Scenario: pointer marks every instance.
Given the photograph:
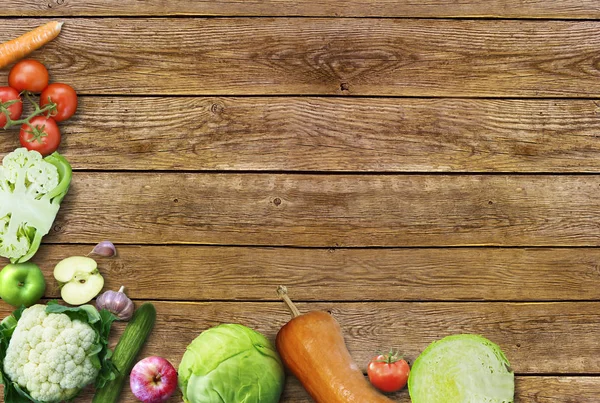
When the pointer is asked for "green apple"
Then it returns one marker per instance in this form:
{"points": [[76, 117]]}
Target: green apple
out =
{"points": [[79, 278], [22, 284]]}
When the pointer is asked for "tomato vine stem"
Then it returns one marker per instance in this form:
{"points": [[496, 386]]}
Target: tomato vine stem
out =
{"points": [[47, 109]]}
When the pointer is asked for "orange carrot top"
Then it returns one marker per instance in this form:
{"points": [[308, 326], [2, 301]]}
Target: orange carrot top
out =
{"points": [[20, 47]]}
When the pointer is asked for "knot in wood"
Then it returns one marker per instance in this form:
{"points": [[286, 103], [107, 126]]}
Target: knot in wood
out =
{"points": [[216, 108]]}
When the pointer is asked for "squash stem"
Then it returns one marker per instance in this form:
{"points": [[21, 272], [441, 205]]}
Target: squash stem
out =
{"points": [[282, 292]]}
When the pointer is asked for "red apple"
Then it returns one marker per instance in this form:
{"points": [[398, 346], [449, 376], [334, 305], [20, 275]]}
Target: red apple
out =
{"points": [[153, 380]]}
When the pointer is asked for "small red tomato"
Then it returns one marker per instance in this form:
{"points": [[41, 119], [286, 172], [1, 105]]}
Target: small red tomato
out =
{"points": [[8, 94], [64, 97], [28, 75], [42, 135], [388, 373]]}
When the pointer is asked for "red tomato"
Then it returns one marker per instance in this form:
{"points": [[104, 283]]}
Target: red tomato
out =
{"points": [[8, 94], [43, 136], [64, 97], [28, 75], [388, 373]]}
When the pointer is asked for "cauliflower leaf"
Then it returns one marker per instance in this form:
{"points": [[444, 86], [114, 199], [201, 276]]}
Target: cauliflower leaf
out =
{"points": [[31, 190]]}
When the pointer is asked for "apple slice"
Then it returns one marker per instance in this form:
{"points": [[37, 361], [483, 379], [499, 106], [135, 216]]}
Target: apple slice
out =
{"points": [[79, 278]]}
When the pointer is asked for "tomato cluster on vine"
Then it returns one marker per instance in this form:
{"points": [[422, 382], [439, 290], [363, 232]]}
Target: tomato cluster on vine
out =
{"points": [[58, 102]]}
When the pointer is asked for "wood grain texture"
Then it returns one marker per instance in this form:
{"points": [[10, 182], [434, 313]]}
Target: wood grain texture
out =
{"points": [[524, 331], [330, 8], [303, 56], [529, 389], [537, 338], [238, 273], [330, 210], [557, 389], [162, 216], [332, 134]]}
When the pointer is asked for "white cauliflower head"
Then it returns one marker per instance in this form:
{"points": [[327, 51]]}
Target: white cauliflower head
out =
{"points": [[50, 355]]}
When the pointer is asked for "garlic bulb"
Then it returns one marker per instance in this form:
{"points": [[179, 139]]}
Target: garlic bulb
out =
{"points": [[116, 302]]}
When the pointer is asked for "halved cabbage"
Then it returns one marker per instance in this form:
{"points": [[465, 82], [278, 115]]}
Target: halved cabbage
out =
{"points": [[462, 368]]}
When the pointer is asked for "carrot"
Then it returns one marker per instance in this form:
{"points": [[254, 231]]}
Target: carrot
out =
{"points": [[18, 48]]}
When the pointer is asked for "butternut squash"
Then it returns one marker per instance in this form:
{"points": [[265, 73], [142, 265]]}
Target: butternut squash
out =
{"points": [[312, 347]]}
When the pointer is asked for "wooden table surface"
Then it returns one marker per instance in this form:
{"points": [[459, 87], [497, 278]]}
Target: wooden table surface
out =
{"points": [[418, 169]]}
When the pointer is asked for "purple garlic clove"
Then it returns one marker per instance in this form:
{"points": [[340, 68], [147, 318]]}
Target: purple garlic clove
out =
{"points": [[104, 248], [117, 303]]}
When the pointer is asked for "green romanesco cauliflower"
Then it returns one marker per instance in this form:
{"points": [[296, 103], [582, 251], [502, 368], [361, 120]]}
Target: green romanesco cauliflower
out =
{"points": [[31, 189], [50, 352]]}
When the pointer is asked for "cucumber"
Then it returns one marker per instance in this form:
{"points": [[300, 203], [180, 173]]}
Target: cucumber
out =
{"points": [[137, 331]]}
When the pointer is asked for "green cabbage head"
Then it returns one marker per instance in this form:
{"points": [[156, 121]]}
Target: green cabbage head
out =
{"points": [[231, 363], [462, 368]]}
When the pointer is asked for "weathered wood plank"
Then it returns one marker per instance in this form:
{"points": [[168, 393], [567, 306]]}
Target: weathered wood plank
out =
{"points": [[239, 273], [331, 8], [537, 338], [524, 331], [557, 389], [529, 389], [323, 56], [332, 134], [331, 210]]}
